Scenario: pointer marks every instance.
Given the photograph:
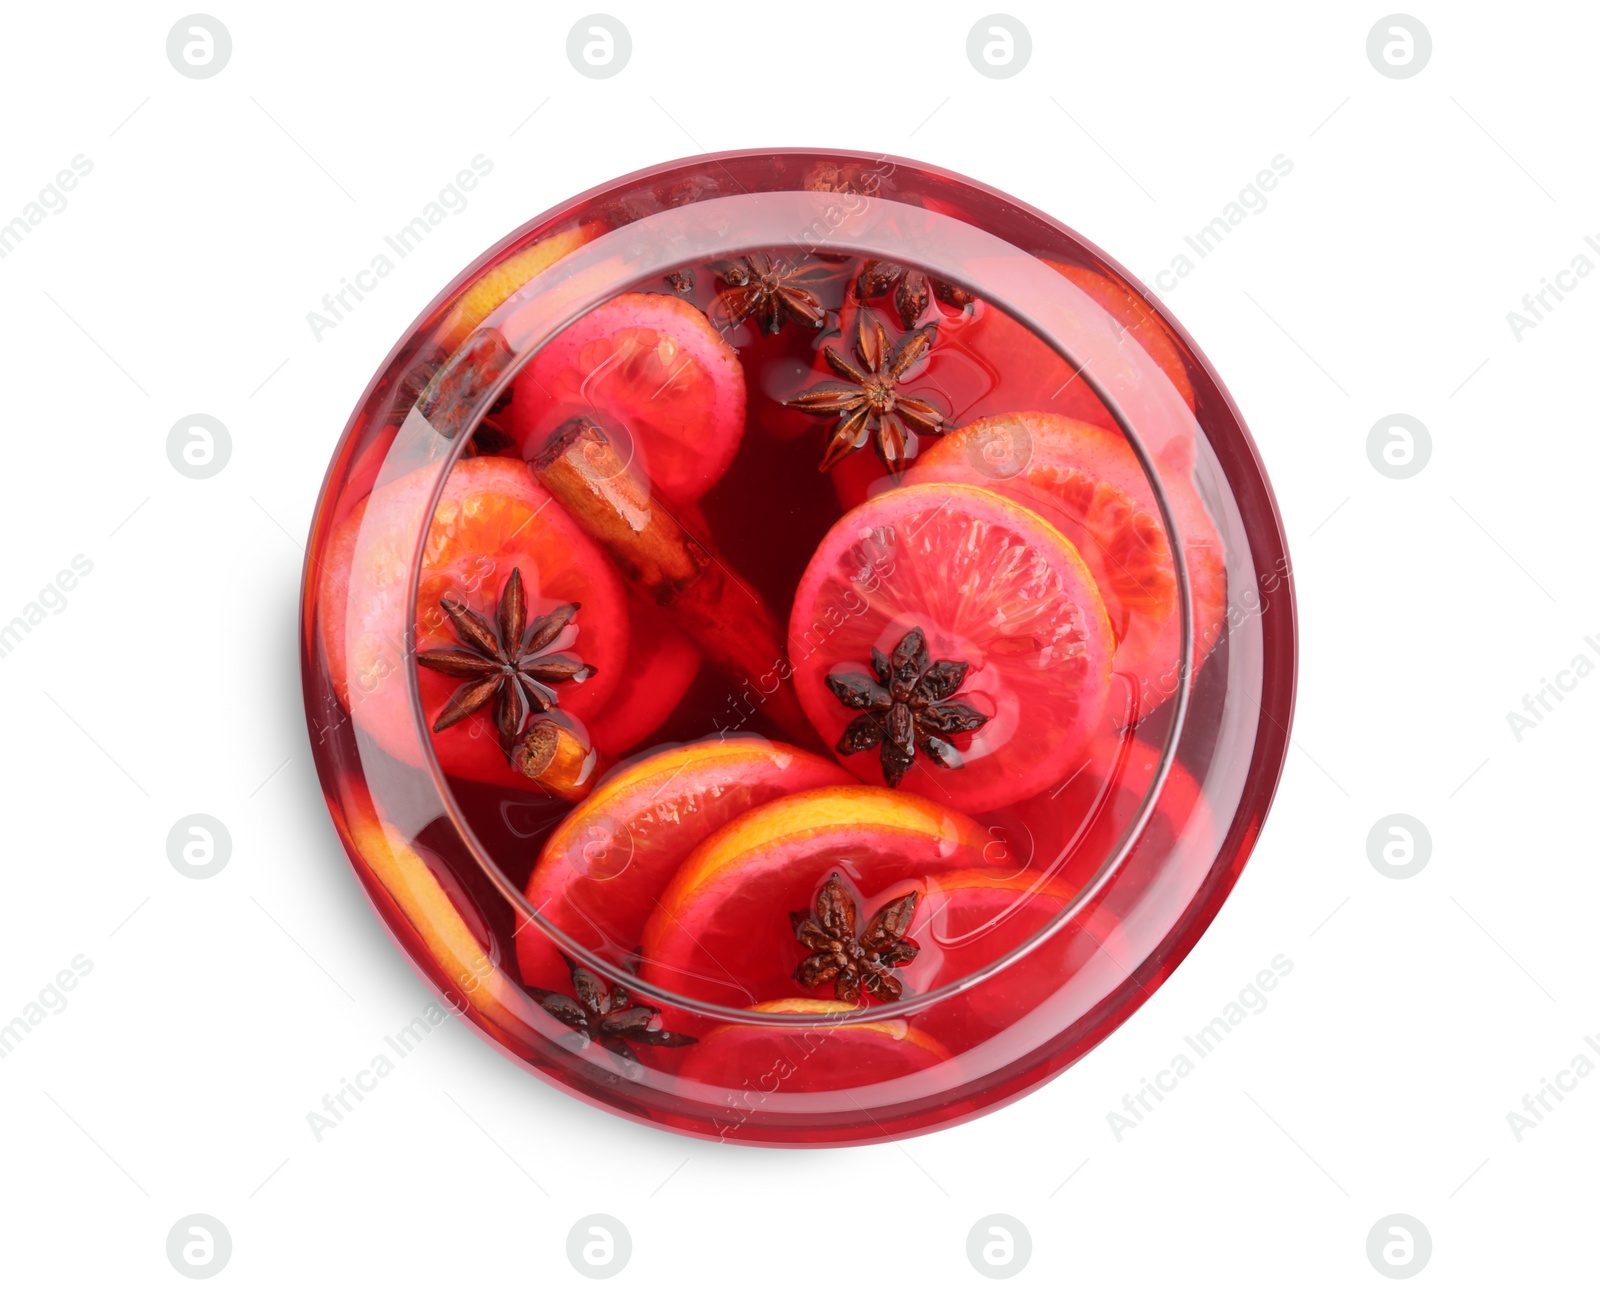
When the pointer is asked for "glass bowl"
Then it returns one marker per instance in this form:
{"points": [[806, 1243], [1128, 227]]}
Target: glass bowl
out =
{"points": [[779, 805]]}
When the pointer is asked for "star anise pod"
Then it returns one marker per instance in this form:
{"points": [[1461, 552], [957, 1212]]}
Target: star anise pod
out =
{"points": [[854, 964], [908, 708], [608, 1016], [910, 288], [772, 289], [871, 405], [510, 662]]}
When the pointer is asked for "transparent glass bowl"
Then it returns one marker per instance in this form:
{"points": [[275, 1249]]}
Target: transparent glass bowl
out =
{"points": [[1081, 519]]}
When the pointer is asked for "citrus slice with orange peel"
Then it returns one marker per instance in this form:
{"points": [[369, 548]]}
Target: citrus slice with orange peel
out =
{"points": [[837, 1054], [489, 290], [425, 918], [721, 931], [493, 518], [649, 369], [601, 871], [1088, 483], [1008, 613]]}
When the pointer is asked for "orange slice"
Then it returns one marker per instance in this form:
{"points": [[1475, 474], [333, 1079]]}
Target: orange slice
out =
{"points": [[425, 919], [649, 368], [721, 931], [1088, 483], [489, 290], [601, 871], [492, 518], [968, 921], [989, 583]]}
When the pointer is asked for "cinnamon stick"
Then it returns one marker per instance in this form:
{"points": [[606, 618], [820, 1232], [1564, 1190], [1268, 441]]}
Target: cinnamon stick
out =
{"points": [[560, 761], [667, 565]]}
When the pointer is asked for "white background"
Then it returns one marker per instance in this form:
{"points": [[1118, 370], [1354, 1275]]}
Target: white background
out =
{"points": [[218, 1012]]}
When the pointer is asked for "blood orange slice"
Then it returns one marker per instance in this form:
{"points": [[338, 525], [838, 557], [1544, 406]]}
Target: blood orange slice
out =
{"points": [[492, 518], [1088, 483], [602, 870], [991, 585], [836, 1055], [648, 367]]}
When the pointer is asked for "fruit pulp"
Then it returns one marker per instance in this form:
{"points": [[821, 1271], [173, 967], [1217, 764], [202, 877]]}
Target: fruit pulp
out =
{"points": [[710, 819]]}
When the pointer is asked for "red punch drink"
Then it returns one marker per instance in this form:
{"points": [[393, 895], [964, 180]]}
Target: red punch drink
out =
{"points": [[797, 646]]}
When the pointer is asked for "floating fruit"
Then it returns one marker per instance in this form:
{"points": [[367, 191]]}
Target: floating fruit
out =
{"points": [[492, 519], [968, 921], [486, 293], [601, 872], [1088, 483], [409, 892], [647, 367], [722, 930], [985, 363], [1006, 611]]}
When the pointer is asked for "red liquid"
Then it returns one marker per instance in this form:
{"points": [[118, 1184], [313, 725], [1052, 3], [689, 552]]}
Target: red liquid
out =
{"points": [[1029, 549]]}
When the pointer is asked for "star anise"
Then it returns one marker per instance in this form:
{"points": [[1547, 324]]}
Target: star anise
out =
{"points": [[608, 1016], [772, 289], [872, 406], [510, 663], [910, 287], [908, 708], [854, 964]]}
